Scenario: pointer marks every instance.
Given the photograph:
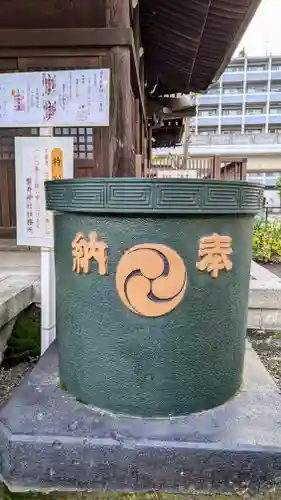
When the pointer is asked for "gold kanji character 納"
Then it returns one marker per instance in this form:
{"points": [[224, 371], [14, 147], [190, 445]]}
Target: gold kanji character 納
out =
{"points": [[214, 252], [86, 250]]}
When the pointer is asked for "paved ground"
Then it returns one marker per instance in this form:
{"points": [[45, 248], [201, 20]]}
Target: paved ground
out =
{"points": [[273, 268], [19, 263]]}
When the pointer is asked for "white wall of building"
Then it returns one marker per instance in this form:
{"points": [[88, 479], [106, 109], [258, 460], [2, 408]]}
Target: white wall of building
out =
{"points": [[272, 198]]}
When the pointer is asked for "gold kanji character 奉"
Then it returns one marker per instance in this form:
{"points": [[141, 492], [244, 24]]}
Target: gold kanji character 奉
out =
{"points": [[86, 250], [214, 252]]}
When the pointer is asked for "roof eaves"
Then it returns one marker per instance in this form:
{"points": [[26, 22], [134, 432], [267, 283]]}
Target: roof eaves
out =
{"points": [[254, 4]]}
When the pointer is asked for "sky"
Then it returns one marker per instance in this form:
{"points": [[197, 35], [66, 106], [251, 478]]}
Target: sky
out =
{"points": [[263, 35]]}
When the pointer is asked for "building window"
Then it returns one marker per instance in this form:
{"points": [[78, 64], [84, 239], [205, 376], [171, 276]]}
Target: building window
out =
{"points": [[276, 87], [257, 67], [232, 90], [207, 112], [255, 111], [207, 131], [231, 131], [213, 90], [276, 67], [271, 178], [275, 130], [256, 89], [265, 178], [234, 69], [275, 111], [256, 177], [253, 130], [231, 111]]}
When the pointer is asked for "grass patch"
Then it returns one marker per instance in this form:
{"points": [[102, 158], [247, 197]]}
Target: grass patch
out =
{"points": [[154, 495], [62, 386]]}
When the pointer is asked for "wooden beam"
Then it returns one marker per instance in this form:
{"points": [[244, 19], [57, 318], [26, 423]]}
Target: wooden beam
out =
{"points": [[70, 37], [117, 13], [47, 52], [8, 233]]}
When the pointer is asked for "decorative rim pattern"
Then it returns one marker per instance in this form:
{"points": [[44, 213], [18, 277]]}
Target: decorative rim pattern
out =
{"points": [[154, 196]]}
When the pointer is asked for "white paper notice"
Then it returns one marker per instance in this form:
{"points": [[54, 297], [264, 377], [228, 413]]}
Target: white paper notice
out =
{"points": [[55, 98], [37, 158]]}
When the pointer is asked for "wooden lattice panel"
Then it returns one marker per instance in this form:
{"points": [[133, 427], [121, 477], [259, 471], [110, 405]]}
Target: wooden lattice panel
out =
{"points": [[83, 140]]}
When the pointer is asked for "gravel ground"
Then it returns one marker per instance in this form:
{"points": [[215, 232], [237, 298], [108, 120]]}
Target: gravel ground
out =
{"points": [[11, 378], [268, 347]]}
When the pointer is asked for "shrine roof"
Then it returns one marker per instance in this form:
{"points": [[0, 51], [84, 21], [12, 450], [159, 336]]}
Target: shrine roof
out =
{"points": [[188, 43]]}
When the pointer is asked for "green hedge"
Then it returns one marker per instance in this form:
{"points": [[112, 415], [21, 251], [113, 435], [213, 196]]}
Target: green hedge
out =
{"points": [[267, 242]]}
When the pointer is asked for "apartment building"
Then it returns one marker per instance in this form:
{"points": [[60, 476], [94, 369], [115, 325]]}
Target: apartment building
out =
{"points": [[247, 99]]}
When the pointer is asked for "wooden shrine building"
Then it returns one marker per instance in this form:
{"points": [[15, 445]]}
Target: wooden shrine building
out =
{"points": [[154, 48]]}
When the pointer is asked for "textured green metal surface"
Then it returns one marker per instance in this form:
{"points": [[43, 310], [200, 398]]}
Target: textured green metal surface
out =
{"points": [[186, 361], [153, 196]]}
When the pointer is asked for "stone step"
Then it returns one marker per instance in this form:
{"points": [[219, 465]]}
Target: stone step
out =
{"points": [[11, 246], [264, 309]]}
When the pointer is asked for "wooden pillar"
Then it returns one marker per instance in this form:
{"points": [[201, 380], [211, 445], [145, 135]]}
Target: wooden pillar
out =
{"points": [[243, 176], [121, 161], [216, 167], [149, 148]]}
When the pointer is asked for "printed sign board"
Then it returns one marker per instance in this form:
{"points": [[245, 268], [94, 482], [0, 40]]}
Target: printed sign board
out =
{"points": [[173, 173], [37, 160], [55, 98]]}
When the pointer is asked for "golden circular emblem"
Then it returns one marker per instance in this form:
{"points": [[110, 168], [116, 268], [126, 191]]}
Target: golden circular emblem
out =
{"points": [[151, 279]]}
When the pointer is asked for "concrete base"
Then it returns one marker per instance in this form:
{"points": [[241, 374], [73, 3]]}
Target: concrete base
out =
{"points": [[49, 441]]}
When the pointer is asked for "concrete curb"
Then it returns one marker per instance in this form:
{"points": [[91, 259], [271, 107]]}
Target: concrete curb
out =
{"points": [[264, 310]]}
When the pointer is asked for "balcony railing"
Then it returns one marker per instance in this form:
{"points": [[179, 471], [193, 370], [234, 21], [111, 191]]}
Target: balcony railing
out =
{"points": [[235, 139]]}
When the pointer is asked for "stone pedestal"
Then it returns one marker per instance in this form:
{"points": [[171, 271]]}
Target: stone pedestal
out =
{"points": [[152, 281], [50, 441]]}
